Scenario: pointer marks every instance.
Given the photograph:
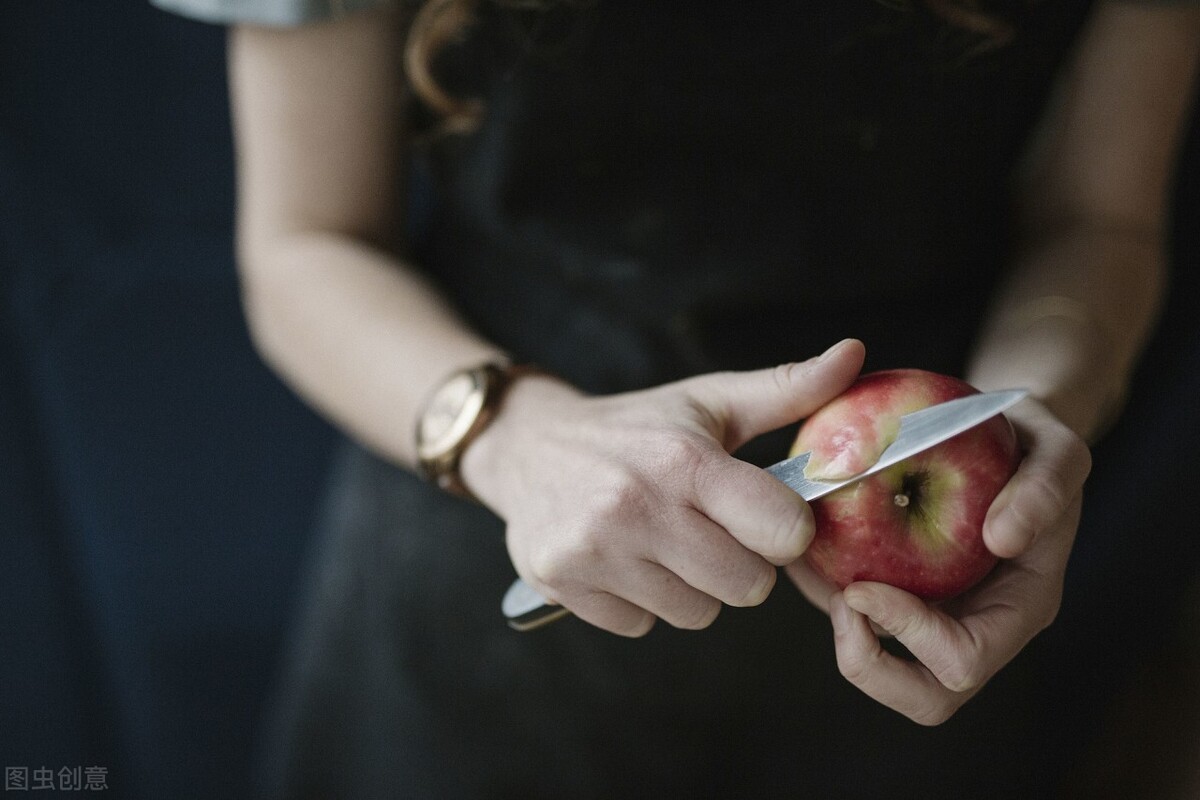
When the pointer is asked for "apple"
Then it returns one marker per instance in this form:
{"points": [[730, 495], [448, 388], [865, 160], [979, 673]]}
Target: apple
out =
{"points": [[917, 525]]}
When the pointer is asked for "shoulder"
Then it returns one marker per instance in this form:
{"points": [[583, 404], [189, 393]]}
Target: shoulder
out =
{"points": [[1157, 3], [267, 12]]}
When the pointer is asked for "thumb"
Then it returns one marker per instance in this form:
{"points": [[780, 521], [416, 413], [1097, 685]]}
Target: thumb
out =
{"points": [[747, 404]]}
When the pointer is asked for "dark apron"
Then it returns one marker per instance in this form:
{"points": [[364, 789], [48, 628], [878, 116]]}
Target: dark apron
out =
{"points": [[662, 189]]}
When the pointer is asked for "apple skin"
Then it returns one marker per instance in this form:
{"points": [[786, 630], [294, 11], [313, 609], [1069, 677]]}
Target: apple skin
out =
{"points": [[917, 525]]}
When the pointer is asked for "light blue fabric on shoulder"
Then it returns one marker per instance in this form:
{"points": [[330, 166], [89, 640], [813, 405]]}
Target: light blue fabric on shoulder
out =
{"points": [[266, 12], [296, 12]]}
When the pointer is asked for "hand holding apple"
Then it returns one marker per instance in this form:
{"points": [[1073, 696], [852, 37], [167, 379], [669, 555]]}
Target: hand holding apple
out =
{"points": [[961, 643]]}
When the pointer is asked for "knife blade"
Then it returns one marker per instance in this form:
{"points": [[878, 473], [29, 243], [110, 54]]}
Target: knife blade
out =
{"points": [[525, 609]]}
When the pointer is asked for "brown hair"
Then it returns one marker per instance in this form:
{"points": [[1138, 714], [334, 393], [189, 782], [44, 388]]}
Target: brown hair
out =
{"points": [[438, 23]]}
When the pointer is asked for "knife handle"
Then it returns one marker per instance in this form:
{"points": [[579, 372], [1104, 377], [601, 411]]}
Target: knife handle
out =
{"points": [[526, 610]]}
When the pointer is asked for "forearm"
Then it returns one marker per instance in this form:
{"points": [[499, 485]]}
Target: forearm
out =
{"points": [[318, 114], [360, 335], [1093, 199], [1072, 321]]}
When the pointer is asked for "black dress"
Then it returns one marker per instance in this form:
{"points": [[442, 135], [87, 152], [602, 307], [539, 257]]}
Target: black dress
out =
{"points": [[662, 189]]}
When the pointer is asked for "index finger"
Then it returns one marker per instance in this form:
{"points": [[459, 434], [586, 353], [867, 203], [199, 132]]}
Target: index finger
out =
{"points": [[902, 685], [763, 514], [962, 655]]}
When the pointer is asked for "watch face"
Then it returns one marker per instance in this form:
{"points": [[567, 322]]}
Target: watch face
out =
{"points": [[449, 415]]}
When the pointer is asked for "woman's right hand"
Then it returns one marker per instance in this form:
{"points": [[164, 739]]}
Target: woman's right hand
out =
{"points": [[628, 508]]}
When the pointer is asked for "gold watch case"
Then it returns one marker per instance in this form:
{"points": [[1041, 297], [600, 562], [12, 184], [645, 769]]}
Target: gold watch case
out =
{"points": [[457, 412]]}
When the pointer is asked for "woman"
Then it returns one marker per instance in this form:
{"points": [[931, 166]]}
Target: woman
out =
{"points": [[647, 200]]}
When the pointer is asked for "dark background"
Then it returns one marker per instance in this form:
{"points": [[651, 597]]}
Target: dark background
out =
{"points": [[156, 481]]}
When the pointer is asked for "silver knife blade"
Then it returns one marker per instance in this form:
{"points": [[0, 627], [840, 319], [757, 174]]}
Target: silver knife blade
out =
{"points": [[918, 432], [525, 609]]}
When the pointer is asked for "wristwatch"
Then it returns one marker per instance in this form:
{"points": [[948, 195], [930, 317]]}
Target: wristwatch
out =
{"points": [[457, 411]]}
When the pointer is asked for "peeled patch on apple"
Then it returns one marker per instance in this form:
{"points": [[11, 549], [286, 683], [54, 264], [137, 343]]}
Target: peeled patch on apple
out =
{"points": [[919, 524]]}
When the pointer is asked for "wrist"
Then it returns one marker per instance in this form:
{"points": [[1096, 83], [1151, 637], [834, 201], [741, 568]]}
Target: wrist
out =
{"points": [[1051, 347], [490, 465], [1073, 317], [458, 411]]}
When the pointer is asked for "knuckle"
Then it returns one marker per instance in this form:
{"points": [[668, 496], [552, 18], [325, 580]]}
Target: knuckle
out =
{"points": [[784, 377], [1040, 502], [682, 453], [709, 419], [1082, 454], [757, 589], [551, 566], [1047, 493], [853, 669], [616, 498], [902, 626], [700, 616], [1051, 612], [1020, 518], [933, 714], [962, 675], [565, 561], [1074, 450], [638, 627], [856, 666]]}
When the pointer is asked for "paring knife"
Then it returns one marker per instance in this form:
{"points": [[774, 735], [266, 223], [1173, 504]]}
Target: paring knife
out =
{"points": [[525, 609]]}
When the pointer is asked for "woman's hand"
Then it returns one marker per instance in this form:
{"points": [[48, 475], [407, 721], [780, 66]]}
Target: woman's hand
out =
{"points": [[960, 644], [1077, 308], [629, 508]]}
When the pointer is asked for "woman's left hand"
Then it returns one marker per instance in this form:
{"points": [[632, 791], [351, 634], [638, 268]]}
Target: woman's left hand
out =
{"points": [[961, 643]]}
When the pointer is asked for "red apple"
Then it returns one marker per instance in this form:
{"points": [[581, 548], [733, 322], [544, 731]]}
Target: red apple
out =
{"points": [[916, 525]]}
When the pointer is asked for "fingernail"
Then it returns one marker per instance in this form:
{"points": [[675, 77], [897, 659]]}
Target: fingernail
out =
{"points": [[832, 350], [1006, 530], [839, 612], [1017, 531], [762, 590], [807, 530], [858, 601]]}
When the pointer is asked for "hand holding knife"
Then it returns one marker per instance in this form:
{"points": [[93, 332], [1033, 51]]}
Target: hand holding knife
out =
{"points": [[525, 609]]}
